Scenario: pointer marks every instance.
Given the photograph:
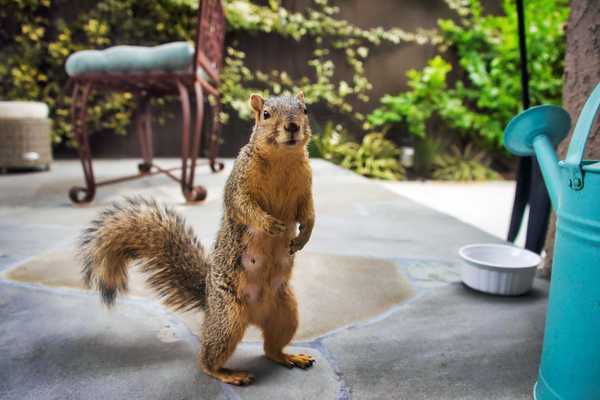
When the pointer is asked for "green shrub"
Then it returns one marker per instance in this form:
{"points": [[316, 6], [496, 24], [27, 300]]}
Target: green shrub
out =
{"points": [[374, 157], [35, 40], [325, 144], [466, 165], [427, 150], [487, 91]]}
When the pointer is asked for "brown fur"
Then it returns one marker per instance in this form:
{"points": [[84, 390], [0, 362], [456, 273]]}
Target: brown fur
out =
{"points": [[245, 278], [141, 230]]}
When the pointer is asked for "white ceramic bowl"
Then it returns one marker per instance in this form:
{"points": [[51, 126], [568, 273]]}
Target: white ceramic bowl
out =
{"points": [[498, 268]]}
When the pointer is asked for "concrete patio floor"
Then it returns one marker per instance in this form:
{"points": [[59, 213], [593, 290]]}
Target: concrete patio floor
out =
{"points": [[485, 205], [382, 309]]}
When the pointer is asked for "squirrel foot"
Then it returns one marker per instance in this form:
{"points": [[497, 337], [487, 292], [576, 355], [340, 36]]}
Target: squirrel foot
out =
{"points": [[303, 361], [238, 378]]}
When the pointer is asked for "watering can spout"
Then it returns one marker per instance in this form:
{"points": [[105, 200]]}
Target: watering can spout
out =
{"points": [[537, 131]]}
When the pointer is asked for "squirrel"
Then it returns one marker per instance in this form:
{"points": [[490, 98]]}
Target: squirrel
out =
{"points": [[268, 217]]}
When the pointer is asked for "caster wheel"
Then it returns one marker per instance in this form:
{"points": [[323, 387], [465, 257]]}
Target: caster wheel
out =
{"points": [[144, 168], [81, 195], [217, 166], [195, 195]]}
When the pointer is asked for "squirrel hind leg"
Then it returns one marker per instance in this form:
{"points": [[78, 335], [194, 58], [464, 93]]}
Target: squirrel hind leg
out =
{"points": [[278, 331], [222, 331]]}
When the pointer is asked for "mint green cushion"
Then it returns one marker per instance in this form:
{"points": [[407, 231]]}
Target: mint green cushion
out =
{"points": [[169, 57]]}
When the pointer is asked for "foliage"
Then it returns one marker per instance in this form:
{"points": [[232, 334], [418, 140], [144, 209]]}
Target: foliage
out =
{"points": [[466, 165], [486, 93], [428, 93], [36, 37], [374, 157], [329, 35], [325, 145], [426, 151]]}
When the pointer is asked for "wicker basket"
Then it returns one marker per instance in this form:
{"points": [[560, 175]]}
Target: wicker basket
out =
{"points": [[25, 143]]}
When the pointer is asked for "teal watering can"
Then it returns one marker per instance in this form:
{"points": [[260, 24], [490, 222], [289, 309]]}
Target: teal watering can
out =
{"points": [[570, 365]]}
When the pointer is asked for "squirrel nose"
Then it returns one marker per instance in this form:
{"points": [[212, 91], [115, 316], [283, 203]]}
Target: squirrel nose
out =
{"points": [[292, 127]]}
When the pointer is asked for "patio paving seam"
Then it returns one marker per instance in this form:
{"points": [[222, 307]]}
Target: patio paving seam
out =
{"points": [[18, 263], [146, 304], [228, 392], [153, 306], [156, 305], [398, 349], [343, 391]]}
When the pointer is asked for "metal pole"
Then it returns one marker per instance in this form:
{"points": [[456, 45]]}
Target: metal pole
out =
{"points": [[524, 168], [530, 185], [523, 55]]}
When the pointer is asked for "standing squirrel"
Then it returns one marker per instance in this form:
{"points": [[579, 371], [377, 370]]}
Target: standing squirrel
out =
{"points": [[268, 216]]}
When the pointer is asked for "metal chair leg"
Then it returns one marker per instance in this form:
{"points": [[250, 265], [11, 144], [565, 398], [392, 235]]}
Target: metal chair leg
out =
{"points": [[144, 131], [79, 194], [197, 131], [214, 139], [191, 193]]}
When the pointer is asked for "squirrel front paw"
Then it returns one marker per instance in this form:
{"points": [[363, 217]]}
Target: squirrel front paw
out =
{"points": [[273, 226], [297, 244]]}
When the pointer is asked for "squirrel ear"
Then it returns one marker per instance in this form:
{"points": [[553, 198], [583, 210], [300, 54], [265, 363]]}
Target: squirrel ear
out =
{"points": [[300, 96], [256, 102]]}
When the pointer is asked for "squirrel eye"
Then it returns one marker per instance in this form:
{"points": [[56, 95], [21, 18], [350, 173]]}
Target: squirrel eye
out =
{"points": [[266, 115]]}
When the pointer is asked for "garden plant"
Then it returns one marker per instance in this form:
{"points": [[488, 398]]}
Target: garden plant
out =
{"points": [[467, 93], [460, 100], [38, 36]]}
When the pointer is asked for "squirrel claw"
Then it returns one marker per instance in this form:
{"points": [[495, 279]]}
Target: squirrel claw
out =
{"points": [[238, 378], [302, 361]]}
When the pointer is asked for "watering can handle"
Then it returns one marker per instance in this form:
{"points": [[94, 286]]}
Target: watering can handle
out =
{"points": [[583, 130]]}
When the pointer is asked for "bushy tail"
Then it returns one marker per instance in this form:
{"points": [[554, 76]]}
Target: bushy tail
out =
{"points": [[171, 256]]}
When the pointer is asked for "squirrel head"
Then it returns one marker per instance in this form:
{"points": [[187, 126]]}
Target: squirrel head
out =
{"points": [[281, 123]]}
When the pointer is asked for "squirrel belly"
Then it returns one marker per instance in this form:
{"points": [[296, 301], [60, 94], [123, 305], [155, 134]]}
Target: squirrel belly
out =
{"points": [[267, 267]]}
